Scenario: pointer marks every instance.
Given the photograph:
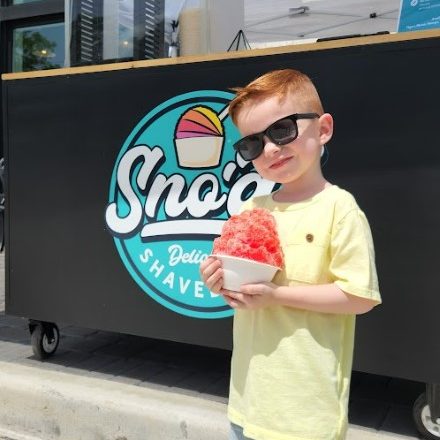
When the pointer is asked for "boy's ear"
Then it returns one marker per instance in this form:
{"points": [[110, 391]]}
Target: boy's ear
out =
{"points": [[325, 128]]}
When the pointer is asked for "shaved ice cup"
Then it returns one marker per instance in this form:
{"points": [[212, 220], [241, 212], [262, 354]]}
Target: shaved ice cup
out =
{"points": [[238, 271], [199, 137], [199, 152]]}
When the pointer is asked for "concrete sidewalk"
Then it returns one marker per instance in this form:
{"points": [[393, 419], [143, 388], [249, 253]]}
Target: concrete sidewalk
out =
{"points": [[110, 386]]}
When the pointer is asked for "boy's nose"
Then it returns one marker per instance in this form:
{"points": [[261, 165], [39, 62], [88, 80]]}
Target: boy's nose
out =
{"points": [[269, 146]]}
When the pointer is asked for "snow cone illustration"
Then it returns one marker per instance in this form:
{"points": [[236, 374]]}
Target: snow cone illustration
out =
{"points": [[199, 137]]}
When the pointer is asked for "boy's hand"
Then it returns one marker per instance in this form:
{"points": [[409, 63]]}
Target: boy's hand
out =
{"points": [[212, 274], [251, 296]]}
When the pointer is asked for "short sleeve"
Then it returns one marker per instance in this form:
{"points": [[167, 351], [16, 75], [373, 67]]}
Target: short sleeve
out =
{"points": [[352, 263]]}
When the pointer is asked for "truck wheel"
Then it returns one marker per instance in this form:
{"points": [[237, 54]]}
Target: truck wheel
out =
{"points": [[44, 339], [430, 429]]}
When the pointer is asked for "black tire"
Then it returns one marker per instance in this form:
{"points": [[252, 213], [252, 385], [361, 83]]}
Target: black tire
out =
{"points": [[422, 418], [45, 339]]}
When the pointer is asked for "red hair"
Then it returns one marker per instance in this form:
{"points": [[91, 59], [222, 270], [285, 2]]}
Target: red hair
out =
{"points": [[281, 83]]}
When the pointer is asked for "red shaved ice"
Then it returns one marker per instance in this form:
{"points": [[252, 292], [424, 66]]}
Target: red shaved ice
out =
{"points": [[253, 235]]}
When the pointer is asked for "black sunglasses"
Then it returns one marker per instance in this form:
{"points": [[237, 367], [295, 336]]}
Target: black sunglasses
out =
{"points": [[281, 132]]}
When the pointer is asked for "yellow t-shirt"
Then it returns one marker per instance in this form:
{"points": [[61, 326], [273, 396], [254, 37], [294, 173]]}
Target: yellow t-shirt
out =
{"points": [[291, 368]]}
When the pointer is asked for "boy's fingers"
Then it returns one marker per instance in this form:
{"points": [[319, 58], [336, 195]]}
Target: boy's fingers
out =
{"points": [[215, 281], [217, 286], [233, 302], [205, 263], [208, 269], [235, 296], [238, 296]]}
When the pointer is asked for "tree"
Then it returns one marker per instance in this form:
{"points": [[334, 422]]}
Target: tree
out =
{"points": [[36, 50]]}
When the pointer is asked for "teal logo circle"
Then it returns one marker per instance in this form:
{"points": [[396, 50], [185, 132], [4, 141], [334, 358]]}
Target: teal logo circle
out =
{"points": [[175, 182]]}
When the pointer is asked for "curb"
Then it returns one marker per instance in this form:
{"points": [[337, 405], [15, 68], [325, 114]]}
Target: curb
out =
{"points": [[6, 434], [37, 404]]}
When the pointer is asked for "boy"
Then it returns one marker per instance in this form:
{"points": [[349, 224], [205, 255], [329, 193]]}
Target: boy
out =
{"points": [[293, 338]]}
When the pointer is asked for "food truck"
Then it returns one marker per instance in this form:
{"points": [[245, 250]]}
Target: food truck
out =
{"points": [[111, 205]]}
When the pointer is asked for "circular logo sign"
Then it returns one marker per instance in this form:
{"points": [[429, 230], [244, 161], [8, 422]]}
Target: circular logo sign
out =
{"points": [[175, 182]]}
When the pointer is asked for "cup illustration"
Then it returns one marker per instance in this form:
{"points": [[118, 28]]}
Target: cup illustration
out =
{"points": [[199, 137]]}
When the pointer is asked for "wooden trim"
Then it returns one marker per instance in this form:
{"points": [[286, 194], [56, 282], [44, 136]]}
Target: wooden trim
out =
{"points": [[333, 44]]}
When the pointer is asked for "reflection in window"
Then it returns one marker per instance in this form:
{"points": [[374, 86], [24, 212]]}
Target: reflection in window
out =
{"points": [[110, 30], [38, 47], [118, 29], [19, 2]]}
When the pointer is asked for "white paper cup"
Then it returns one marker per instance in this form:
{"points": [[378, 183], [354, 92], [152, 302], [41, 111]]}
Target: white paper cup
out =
{"points": [[238, 271]]}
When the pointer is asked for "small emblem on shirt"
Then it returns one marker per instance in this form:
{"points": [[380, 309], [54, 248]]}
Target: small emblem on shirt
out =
{"points": [[309, 237]]}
